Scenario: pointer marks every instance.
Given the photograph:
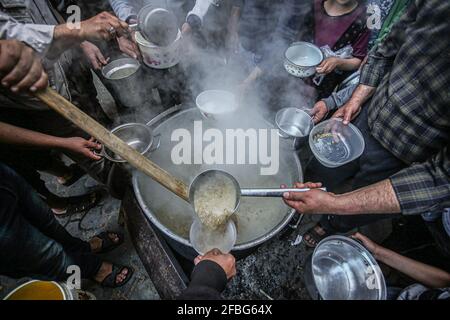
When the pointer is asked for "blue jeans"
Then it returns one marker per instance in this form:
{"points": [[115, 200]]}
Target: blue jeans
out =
{"points": [[375, 164], [32, 242]]}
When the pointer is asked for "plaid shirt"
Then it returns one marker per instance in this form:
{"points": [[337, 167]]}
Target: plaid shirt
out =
{"points": [[410, 111]]}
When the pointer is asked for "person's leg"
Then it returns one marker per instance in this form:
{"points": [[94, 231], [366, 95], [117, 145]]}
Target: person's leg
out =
{"points": [[38, 214], [26, 250]]}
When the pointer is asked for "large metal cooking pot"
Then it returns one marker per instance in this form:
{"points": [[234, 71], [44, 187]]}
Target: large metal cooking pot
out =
{"points": [[343, 269], [258, 219]]}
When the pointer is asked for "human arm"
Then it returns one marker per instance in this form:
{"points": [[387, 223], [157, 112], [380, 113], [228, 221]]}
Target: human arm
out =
{"points": [[378, 198], [210, 276], [103, 27], [13, 135], [93, 55], [379, 62], [422, 187], [233, 28], [124, 9], [334, 63], [425, 274], [20, 67]]}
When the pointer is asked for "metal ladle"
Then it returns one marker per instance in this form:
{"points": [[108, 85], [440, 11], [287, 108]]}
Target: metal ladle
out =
{"points": [[240, 192], [229, 232]]}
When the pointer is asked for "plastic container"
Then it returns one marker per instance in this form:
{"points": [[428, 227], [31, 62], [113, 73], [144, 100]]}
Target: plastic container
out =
{"points": [[204, 239], [335, 144]]}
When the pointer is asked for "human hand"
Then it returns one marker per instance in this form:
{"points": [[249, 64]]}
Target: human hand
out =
{"points": [[94, 55], [186, 29], [367, 243], [129, 47], [83, 147], [310, 202], [348, 112], [226, 261], [20, 67], [319, 111], [103, 26], [328, 65]]}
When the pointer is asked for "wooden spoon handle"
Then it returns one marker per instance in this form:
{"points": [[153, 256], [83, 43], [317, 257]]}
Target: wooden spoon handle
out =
{"points": [[58, 103]]}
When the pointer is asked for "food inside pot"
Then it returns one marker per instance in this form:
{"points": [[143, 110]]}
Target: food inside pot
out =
{"points": [[215, 200]]}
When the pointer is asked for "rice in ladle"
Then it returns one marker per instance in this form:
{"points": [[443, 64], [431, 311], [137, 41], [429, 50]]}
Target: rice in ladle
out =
{"points": [[215, 201]]}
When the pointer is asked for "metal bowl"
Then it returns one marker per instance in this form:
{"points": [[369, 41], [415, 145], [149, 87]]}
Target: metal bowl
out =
{"points": [[295, 125], [124, 76], [136, 135], [214, 104], [302, 58], [343, 269]]}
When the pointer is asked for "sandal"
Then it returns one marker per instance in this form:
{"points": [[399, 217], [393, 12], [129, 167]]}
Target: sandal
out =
{"points": [[110, 280], [80, 204], [77, 174], [107, 243], [314, 236]]}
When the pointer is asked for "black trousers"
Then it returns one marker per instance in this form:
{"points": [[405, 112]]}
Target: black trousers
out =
{"points": [[32, 242], [375, 164]]}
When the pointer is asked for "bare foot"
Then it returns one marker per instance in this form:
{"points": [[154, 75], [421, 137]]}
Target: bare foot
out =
{"points": [[106, 270], [96, 243], [310, 240]]}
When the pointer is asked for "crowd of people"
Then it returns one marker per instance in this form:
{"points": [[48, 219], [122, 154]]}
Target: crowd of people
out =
{"points": [[400, 103]]}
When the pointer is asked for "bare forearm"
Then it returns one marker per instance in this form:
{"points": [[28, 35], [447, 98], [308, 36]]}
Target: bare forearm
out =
{"points": [[379, 198], [234, 20], [26, 138], [349, 64], [63, 39], [361, 94], [427, 275]]}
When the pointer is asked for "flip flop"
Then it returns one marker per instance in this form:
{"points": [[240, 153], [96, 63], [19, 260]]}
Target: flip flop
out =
{"points": [[77, 173], [107, 243], [314, 236], [110, 280], [80, 204]]}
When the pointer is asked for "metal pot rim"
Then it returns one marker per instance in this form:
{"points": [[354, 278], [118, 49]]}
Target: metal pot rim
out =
{"points": [[240, 247], [286, 134], [244, 246], [126, 62], [126, 125], [364, 253], [139, 37], [294, 44]]}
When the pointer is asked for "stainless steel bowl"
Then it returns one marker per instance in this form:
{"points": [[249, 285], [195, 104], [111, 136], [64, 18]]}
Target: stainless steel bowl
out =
{"points": [[343, 269], [136, 135], [295, 125], [302, 58], [124, 77]]}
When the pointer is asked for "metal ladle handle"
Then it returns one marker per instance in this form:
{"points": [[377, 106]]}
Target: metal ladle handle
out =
{"points": [[274, 193]]}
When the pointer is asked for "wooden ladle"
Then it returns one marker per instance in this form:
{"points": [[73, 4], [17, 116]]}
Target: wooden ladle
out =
{"points": [[65, 108]]}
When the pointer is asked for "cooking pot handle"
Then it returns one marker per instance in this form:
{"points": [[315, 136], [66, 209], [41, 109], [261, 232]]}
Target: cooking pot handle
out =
{"points": [[156, 145], [163, 115]]}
